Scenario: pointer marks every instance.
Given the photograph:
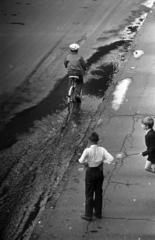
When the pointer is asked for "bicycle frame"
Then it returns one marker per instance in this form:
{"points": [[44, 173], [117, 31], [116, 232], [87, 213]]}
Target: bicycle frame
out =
{"points": [[72, 85], [72, 93]]}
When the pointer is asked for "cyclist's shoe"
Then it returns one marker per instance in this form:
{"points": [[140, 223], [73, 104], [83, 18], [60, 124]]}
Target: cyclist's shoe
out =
{"points": [[78, 99]]}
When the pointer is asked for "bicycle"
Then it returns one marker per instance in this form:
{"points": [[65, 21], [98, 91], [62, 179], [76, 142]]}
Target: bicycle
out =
{"points": [[73, 100]]}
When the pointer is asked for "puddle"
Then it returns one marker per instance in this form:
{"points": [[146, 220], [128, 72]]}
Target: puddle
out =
{"points": [[99, 76], [98, 85]]}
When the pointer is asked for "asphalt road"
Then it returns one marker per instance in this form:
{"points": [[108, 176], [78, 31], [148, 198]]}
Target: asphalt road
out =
{"points": [[128, 190], [35, 38]]}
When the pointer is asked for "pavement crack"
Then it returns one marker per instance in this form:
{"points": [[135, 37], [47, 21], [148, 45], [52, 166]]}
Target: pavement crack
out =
{"points": [[129, 137], [147, 81], [126, 184]]}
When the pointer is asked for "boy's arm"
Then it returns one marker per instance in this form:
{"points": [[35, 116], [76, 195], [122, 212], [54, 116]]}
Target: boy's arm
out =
{"points": [[108, 157], [65, 62], [152, 145], [148, 151], [83, 64], [83, 158]]}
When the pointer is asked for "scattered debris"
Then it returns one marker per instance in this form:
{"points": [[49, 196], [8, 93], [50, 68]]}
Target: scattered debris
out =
{"points": [[130, 31], [148, 3], [100, 121], [138, 53]]}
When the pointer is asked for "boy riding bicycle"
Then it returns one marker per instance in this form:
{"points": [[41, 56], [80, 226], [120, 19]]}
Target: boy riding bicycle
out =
{"points": [[75, 65]]}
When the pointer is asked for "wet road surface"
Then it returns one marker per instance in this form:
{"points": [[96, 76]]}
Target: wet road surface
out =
{"points": [[96, 86], [42, 148], [26, 180]]}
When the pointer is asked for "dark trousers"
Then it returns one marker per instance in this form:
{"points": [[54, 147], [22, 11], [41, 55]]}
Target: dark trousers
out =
{"points": [[93, 191]]}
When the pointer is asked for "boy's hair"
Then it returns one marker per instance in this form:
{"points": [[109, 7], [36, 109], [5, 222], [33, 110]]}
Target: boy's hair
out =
{"points": [[94, 137], [148, 121]]}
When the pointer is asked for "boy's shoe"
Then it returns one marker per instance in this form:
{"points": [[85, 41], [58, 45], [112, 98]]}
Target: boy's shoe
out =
{"points": [[86, 217], [98, 216]]}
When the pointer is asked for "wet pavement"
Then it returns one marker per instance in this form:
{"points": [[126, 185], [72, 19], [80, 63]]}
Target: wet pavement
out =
{"points": [[128, 190], [29, 177], [43, 149], [97, 80]]}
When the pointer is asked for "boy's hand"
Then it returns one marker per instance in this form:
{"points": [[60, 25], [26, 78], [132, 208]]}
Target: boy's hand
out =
{"points": [[105, 161], [86, 165]]}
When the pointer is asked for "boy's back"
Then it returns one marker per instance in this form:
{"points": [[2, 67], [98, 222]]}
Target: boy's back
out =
{"points": [[150, 144]]}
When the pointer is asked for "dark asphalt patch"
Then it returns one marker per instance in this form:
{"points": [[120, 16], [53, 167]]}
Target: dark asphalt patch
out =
{"points": [[56, 101]]}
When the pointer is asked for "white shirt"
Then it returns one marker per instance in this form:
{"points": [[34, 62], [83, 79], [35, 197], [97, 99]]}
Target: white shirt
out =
{"points": [[95, 155], [147, 130]]}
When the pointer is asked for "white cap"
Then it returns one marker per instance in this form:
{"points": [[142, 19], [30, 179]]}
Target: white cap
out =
{"points": [[74, 46]]}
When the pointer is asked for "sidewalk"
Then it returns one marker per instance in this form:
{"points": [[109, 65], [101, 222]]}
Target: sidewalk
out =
{"points": [[129, 191]]}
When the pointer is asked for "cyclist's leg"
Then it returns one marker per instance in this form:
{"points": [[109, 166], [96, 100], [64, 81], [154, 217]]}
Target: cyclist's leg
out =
{"points": [[69, 86], [79, 85], [69, 82]]}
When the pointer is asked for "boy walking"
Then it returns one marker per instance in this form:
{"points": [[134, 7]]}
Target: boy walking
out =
{"points": [[147, 125], [94, 157]]}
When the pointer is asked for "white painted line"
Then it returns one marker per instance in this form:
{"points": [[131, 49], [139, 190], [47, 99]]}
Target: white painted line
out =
{"points": [[120, 92]]}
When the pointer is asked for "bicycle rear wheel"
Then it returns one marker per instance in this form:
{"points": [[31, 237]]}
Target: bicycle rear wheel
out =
{"points": [[70, 107], [71, 100]]}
